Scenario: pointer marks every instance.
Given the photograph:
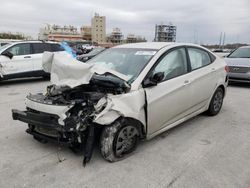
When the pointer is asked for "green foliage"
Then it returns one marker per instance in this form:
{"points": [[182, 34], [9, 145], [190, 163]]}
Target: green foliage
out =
{"points": [[17, 36]]}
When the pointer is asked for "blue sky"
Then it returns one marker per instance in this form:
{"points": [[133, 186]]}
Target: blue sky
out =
{"points": [[196, 20]]}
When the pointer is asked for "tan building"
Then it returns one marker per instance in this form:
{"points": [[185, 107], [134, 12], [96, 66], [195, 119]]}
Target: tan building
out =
{"points": [[59, 33], [98, 29], [116, 37], [64, 37], [86, 32], [131, 38]]}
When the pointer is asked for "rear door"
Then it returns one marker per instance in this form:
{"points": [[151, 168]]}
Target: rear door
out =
{"points": [[21, 61], [203, 76], [38, 49]]}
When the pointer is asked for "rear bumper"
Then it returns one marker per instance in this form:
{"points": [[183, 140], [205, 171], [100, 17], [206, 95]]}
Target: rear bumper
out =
{"points": [[239, 77]]}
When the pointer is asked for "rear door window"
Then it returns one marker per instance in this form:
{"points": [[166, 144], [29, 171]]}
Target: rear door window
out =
{"points": [[38, 48]]}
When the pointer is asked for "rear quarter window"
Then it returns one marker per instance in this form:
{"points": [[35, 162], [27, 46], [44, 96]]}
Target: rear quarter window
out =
{"points": [[56, 48], [198, 58]]}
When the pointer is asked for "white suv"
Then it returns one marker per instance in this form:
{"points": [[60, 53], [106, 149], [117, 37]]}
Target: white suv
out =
{"points": [[24, 59]]}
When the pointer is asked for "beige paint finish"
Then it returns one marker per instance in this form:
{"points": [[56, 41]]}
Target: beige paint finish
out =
{"points": [[167, 100], [168, 104]]}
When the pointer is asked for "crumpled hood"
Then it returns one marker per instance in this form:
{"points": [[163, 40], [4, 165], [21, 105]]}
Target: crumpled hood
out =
{"points": [[238, 62], [67, 71]]}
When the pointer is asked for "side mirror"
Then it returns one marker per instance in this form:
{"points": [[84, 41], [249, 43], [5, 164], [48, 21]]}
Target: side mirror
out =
{"points": [[7, 54], [153, 80]]}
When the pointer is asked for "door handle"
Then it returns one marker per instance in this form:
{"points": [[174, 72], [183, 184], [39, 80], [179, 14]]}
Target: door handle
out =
{"points": [[213, 69], [27, 56], [186, 82]]}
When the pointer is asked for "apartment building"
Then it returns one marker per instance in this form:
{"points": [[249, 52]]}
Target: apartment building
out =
{"points": [[98, 27]]}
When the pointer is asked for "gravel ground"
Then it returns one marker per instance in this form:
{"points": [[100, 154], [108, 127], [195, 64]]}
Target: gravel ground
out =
{"points": [[202, 152]]}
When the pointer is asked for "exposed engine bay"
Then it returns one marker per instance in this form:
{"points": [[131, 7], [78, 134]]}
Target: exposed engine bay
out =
{"points": [[72, 110], [81, 102]]}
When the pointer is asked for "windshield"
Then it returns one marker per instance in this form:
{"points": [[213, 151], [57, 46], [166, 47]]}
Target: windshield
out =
{"points": [[4, 46], [128, 61], [240, 53]]}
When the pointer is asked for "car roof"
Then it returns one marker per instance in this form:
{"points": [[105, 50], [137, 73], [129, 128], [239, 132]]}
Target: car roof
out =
{"points": [[33, 41], [154, 45]]}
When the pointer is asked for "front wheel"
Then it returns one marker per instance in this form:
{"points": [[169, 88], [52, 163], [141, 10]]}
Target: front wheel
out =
{"points": [[118, 140], [216, 102]]}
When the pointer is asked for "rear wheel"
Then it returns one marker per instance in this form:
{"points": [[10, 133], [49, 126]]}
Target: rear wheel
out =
{"points": [[216, 102], [118, 140]]}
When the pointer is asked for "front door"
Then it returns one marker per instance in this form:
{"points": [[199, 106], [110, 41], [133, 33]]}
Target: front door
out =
{"points": [[20, 63], [168, 101]]}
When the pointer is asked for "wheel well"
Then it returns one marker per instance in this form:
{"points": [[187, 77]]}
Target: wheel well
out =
{"points": [[223, 89], [137, 123]]}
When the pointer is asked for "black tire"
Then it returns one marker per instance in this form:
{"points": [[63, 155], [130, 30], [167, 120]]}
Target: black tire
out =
{"points": [[112, 146], [216, 102]]}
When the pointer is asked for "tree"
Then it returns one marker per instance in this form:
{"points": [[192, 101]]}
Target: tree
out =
{"points": [[17, 36]]}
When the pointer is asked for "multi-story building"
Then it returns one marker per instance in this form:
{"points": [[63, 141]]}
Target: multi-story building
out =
{"points": [[116, 37], [131, 38], [86, 32], [98, 29], [165, 33], [59, 33]]}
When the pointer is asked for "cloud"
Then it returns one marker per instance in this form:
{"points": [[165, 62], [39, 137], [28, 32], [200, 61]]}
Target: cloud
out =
{"points": [[196, 20]]}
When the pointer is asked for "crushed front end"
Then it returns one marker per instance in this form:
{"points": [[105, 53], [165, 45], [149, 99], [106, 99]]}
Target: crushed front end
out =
{"points": [[66, 115]]}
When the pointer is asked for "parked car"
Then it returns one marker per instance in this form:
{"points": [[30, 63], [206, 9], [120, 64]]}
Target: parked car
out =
{"points": [[222, 52], [7, 41], [3, 43], [88, 56], [239, 65], [88, 47], [128, 92], [24, 59]]}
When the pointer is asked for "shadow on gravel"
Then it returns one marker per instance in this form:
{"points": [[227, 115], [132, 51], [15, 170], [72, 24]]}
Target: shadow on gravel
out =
{"points": [[21, 81]]}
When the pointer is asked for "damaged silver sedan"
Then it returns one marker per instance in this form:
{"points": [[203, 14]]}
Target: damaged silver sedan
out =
{"points": [[127, 93]]}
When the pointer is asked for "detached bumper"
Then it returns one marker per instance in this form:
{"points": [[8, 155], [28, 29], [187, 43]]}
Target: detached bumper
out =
{"points": [[45, 126], [38, 119]]}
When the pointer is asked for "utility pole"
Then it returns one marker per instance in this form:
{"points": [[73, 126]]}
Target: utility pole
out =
{"points": [[224, 38], [220, 40]]}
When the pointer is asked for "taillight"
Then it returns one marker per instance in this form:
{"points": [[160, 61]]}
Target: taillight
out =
{"points": [[227, 69]]}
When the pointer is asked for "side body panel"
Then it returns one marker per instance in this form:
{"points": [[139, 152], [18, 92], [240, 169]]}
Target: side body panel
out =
{"points": [[18, 64], [166, 101]]}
